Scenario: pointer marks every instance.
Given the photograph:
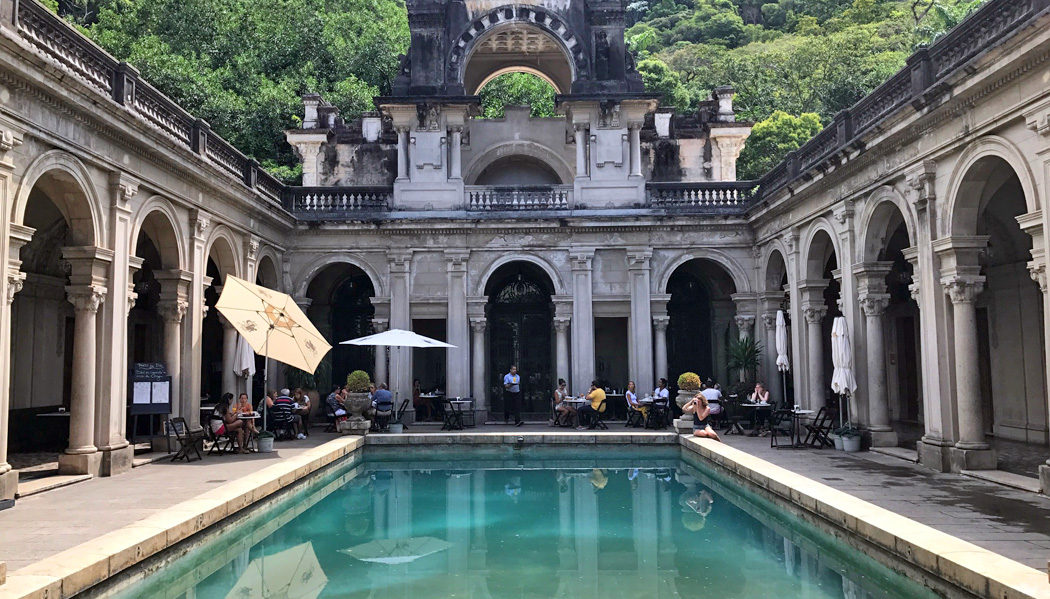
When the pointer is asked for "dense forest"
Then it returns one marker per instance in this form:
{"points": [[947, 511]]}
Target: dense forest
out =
{"points": [[242, 65]]}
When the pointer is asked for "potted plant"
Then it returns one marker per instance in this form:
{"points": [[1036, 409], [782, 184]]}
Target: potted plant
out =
{"points": [[265, 440], [688, 385], [850, 437], [357, 383], [743, 355]]}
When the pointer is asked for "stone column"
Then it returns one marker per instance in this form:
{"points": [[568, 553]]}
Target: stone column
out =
{"points": [[963, 292], [402, 153], [814, 315], [581, 151], [229, 356], [640, 360], [561, 346], [871, 283], [660, 328], [582, 319], [194, 325], [769, 350], [401, 318], [635, 133], [1032, 224], [458, 328], [481, 404], [81, 457], [18, 236], [456, 153], [379, 373], [172, 312]]}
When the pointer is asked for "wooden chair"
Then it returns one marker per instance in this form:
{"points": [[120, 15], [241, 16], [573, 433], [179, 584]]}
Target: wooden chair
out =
{"points": [[599, 418], [189, 441], [780, 424], [818, 430], [635, 418]]}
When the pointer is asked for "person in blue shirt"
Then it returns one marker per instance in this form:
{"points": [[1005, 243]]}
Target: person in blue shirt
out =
{"points": [[383, 399], [512, 396]]}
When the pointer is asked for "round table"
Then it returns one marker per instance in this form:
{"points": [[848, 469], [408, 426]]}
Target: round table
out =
{"points": [[249, 435]]}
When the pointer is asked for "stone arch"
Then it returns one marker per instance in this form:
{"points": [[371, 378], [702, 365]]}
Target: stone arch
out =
{"points": [[157, 219], [84, 214], [534, 259], [303, 283], [731, 266], [222, 248], [963, 207], [875, 220], [267, 269], [819, 243], [514, 148], [503, 18], [773, 268]]}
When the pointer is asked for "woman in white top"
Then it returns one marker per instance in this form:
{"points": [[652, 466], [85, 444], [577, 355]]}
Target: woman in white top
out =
{"points": [[633, 403], [564, 411], [761, 394]]}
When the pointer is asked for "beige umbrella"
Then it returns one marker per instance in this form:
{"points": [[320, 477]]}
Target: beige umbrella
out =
{"points": [[272, 323], [293, 573]]}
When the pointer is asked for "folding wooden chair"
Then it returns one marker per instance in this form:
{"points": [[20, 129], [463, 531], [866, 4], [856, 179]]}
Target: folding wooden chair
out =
{"points": [[635, 418], [452, 419], [780, 424], [189, 441], [818, 430], [599, 418]]}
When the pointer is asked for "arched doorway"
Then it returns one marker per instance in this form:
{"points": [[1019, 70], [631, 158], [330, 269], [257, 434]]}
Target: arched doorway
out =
{"points": [[53, 328], [518, 171], [341, 308], [700, 312], [821, 293], [218, 338], [520, 320], [1010, 385], [777, 298]]}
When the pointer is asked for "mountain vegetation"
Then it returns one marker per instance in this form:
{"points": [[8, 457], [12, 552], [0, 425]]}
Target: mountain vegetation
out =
{"points": [[242, 65]]}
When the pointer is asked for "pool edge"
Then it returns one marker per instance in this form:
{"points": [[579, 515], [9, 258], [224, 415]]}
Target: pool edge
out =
{"points": [[74, 570], [972, 568]]}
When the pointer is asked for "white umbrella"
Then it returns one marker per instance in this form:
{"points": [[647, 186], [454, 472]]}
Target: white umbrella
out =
{"points": [[396, 551], [398, 338], [244, 362], [293, 573], [842, 380], [783, 365]]}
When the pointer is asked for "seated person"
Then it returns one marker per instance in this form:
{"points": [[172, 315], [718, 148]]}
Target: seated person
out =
{"points": [[283, 413], [760, 394], [382, 402], [424, 409], [632, 401], [302, 399], [661, 394], [334, 401], [701, 412], [590, 413], [224, 422], [564, 410], [714, 398], [244, 406]]}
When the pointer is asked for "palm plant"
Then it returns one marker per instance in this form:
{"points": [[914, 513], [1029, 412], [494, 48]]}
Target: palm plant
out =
{"points": [[743, 355]]}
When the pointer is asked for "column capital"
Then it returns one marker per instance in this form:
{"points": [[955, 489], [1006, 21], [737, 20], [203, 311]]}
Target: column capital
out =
{"points": [[457, 260], [15, 281], [124, 187], [581, 258], [251, 247], [400, 260], [562, 323], [874, 304], [744, 321], [814, 313], [920, 182], [478, 324], [200, 221], [638, 258], [1037, 270], [769, 320], [173, 311], [963, 289], [86, 298], [660, 323]]}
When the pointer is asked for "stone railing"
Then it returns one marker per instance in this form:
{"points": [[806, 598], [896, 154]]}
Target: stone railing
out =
{"points": [[496, 198], [75, 54], [918, 84], [720, 197], [336, 203]]}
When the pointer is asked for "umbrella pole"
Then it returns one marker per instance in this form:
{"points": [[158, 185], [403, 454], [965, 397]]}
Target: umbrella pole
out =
{"points": [[266, 374]]}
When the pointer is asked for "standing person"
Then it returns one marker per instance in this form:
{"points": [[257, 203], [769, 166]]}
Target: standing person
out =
{"points": [[512, 396], [590, 413], [563, 411], [701, 412]]}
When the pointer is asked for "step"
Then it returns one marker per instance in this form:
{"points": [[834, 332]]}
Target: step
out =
{"points": [[149, 458], [902, 453], [47, 483], [1009, 479]]}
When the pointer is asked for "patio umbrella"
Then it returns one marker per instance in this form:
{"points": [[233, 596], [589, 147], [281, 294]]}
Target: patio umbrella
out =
{"points": [[842, 380], [398, 338], [244, 362], [396, 551], [783, 365], [274, 326], [293, 574]]}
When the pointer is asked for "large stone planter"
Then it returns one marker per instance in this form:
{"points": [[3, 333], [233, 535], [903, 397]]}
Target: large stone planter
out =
{"points": [[684, 425], [685, 396], [356, 424]]}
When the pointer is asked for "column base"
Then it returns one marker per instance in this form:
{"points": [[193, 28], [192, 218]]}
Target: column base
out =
{"points": [[972, 459], [8, 487], [934, 455], [80, 463], [884, 439], [116, 461], [683, 426], [1044, 479]]}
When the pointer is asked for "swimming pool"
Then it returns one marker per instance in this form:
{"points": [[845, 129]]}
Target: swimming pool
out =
{"points": [[436, 522]]}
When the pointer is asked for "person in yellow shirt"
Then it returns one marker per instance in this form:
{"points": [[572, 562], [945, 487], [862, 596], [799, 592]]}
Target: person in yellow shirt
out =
{"points": [[590, 413]]}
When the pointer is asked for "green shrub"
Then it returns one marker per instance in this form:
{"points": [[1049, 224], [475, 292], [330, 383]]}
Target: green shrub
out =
{"points": [[689, 381], [358, 382]]}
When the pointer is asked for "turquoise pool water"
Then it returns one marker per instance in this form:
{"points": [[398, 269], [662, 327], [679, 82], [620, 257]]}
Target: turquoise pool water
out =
{"points": [[433, 524]]}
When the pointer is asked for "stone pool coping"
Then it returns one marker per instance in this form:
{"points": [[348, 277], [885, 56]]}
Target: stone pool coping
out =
{"points": [[977, 570], [76, 569], [972, 568]]}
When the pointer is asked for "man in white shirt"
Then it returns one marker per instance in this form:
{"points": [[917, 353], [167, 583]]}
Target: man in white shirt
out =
{"points": [[661, 394], [512, 396]]}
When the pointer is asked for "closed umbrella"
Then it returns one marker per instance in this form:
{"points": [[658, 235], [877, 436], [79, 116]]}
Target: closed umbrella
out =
{"points": [[842, 380], [398, 338], [783, 365], [244, 362]]}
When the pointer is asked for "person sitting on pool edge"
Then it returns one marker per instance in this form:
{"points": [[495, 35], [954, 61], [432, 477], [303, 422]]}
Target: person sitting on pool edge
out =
{"points": [[701, 412], [590, 413]]}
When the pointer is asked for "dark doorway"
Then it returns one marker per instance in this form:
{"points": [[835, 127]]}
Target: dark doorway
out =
{"points": [[352, 314], [520, 316], [428, 365], [689, 342]]}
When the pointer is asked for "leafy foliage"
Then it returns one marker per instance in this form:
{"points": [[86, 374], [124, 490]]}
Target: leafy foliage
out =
{"points": [[517, 89], [358, 382], [689, 381], [774, 137], [743, 355]]}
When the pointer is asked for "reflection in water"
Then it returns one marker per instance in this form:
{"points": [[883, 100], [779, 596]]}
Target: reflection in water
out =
{"points": [[417, 531]]}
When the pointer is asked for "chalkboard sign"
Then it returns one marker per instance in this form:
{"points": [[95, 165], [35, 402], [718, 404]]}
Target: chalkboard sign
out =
{"points": [[149, 389], [148, 371]]}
